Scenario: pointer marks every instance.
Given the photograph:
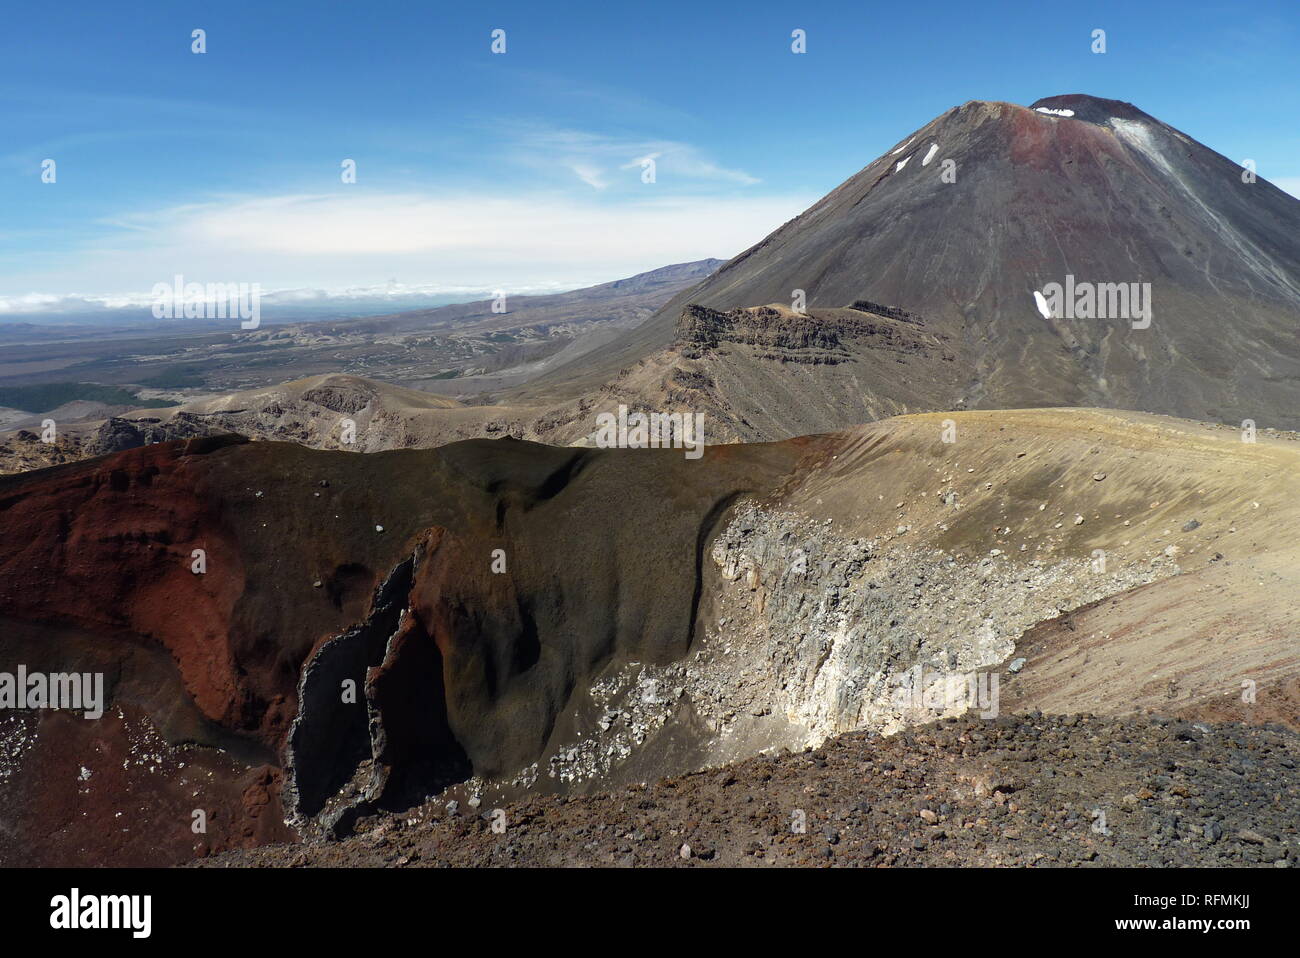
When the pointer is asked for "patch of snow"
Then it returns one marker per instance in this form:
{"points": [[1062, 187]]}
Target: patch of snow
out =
{"points": [[1048, 109], [1041, 302], [901, 163], [934, 148], [902, 148]]}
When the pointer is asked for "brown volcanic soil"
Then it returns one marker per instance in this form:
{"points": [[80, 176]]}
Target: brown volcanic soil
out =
{"points": [[114, 792], [1016, 791], [1142, 650]]}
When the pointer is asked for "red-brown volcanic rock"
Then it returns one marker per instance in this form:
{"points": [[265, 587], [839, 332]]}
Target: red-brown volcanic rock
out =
{"points": [[107, 547]]}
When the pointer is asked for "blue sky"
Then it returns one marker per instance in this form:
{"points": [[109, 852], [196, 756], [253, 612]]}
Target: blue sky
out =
{"points": [[522, 170]]}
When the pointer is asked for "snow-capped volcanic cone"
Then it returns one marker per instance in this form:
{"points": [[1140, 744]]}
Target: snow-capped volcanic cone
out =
{"points": [[964, 220]]}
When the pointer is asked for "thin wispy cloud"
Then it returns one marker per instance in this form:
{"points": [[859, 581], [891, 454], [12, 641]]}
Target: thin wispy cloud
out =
{"points": [[599, 159], [591, 175]]}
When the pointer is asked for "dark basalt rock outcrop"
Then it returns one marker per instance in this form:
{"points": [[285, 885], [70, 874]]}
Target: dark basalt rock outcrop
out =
{"points": [[763, 326], [339, 400], [892, 312], [118, 434], [821, 337]]}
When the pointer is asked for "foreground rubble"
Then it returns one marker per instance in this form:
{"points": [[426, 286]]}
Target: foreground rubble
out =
{"points": [[1014, 791]]}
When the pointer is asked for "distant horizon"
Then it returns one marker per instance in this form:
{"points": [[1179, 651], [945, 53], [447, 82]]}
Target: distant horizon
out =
{"points": [[45, 309], [284, 306], [526, 170]]}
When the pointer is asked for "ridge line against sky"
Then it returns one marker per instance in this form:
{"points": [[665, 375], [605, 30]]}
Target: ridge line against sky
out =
{"points": [[523, 169]]}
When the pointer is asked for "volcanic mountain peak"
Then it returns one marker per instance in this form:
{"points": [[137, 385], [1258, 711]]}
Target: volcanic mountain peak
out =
{"points": [[965, 219], [1096, 110], [1092, 109]]}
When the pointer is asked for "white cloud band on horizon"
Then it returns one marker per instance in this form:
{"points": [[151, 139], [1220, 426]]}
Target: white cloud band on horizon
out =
{"points": [[355, 237]]}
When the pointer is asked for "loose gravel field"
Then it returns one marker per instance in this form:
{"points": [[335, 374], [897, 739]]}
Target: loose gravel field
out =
{"points": [[1027, 790]]}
